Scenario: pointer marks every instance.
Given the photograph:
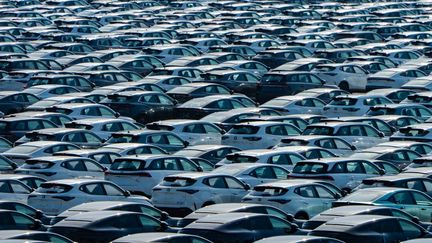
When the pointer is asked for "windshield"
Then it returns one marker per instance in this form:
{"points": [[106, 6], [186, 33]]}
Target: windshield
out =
{"points": [[127, 164], [344, 101], [310, 168], [316, 130]]}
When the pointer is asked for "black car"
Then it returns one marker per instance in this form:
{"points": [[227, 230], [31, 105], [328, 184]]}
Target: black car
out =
{"points": [[144, 106], [76, 81], [14, 101], [275, 84], [25, 209], [187, 92], [160, 237], [31, 236], [105, 226], [13, 128], [237, 81], [13, 220], [371, 229], [211, 153], [275, 58], [239, 227]]}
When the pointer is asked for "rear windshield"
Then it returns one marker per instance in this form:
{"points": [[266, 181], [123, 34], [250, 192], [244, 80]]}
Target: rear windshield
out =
{"points": [[244, 130], [381, 111], [236, 158], [127, 164], [53, 188], [268, 191], [178, 181], [310, 168], [318, 130], [414, 132], [360, 196], [37, 164], [159, 127]]}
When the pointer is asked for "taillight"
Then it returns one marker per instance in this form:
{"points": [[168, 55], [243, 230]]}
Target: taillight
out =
{"points": [[188, 191], [281, 201], [64, 198], [252, 138]]}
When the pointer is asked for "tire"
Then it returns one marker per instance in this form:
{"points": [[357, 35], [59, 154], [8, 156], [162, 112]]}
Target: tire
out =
{"points": [[344, 85], [301, 215], [208, 204]]}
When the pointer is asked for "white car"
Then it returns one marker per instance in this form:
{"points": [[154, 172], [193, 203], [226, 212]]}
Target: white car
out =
{"points": [[54, 197], [344, 75], [253, 67], [253, 174], [140, 173], [14, 190], [360, 135], [258, 135], [295, 104], [103, 127], [336, 145], [418, 132], [392, 78], [419, 84], [345, 173], [19, 154], [49, 90], [280, 157], [125, 149], [353, 105], [62, 167], [303, 199], [82, 111], [189, 191], [193, 131]]}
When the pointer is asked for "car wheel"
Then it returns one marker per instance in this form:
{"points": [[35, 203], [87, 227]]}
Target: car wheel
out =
{"points": [[344, 86], [301, 215]]}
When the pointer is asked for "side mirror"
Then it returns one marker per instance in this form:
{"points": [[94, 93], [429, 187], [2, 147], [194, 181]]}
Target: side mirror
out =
{"points": [[353, 147], [186, 143], [38, 214], [164, 216], [337, 196], [36, 225], [381, 134], [416, 220], [127, 193], [163, 226], [117, 115], [200, 169], [247, 187], [231, 91], [294, 228], [382, 171]]}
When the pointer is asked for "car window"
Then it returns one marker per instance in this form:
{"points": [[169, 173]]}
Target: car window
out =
{"points": [[305, 191], [402, 198], [324, 192], [409, 230], [76, 165], [112, 190], [216, 182], [265, 172], [18, 188], [93, 189], [421, 199]]}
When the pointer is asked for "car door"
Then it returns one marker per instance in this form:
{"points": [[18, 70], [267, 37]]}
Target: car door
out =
{"points": [[309, 200], [423, 205], [93, 170], [73, 169], [235, 189], [404, 200], [355, 173], [19, 191], [326, 196], [113, 192], [194, 134], [93, 192]]}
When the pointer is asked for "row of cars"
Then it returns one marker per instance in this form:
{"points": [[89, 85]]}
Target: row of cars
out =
{"points": [[226, 121]]}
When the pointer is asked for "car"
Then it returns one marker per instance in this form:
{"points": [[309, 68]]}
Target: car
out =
{"points": [[144, 106], [255, 135], [288, 195], [32, 236], [76, 81], [360, 135], [419, 147], [418, 132], [103, 127], [230, 208], [401, 157], [192, 131], [56, 100], [419, 98], [62, 167], [6, 165], [84, 110], [186, 92], [335, 145], [237, 81], [13, 220], [13, 128], [165, 140], [280, 157], [274, 84], [392, 78], [411, 201], [353, 105], [49, 90], [378, 228], [243, 227], [299, 239], [19, 154], [148, 169], [295, 104], [206, 188], [160, 237], [14, 101], [138, 207], [125, 149], [253, 174], [324, 94], [167, 82], [103, 156], [211, 153], [14, 190], [346, 173], [106, 225], [417, 111], [401, 180], [344, 75], [395, 95], [76, 191], [80, 137]]}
